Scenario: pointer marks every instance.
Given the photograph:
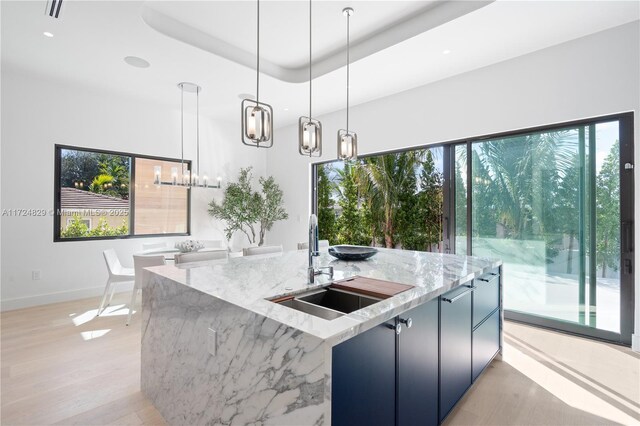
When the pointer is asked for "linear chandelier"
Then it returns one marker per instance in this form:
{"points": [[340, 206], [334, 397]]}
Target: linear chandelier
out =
{"points": [[189, 177]]}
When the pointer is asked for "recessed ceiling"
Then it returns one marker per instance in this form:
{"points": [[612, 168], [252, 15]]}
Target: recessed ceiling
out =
{"points": [[228, 29], [92, 38]]}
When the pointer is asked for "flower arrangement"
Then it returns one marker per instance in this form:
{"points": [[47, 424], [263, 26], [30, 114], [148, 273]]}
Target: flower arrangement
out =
{"points": [[189, 246]]}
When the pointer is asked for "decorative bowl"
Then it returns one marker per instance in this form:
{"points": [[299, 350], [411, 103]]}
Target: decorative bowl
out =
{"points": [[348, 252], [189, 246]]}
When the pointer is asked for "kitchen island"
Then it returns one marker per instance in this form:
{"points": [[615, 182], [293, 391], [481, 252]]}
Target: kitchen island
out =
{"points": [[216, 350]]}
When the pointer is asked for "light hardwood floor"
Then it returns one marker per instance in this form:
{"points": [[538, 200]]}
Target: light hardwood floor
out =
{"points": [[61, 365]]}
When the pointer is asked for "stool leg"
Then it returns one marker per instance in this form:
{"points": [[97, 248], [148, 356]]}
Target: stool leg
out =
{"points": [[134, 293], [113, 291], [104, 297]]}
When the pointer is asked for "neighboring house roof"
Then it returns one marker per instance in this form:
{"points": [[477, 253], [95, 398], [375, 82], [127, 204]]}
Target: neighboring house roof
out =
{"points": [[72, 198]]}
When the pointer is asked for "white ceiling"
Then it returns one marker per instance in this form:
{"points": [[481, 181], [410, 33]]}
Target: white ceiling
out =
{"points": [[235, 23], [228, 29], [92, 38]]}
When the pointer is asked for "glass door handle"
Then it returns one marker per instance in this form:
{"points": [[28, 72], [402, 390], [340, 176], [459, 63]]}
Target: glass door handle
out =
{"points": [[627, 235]]}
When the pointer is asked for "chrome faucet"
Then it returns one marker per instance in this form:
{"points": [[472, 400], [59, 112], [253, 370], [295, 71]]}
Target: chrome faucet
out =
{"points": [[314, 251]]}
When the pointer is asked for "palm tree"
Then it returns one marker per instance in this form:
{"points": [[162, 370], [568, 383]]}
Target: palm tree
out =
{"points": [[388, 175], [522, 176]]}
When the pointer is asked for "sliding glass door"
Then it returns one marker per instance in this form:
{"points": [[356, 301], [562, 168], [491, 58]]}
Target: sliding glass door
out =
{"points": [[556, 205]]}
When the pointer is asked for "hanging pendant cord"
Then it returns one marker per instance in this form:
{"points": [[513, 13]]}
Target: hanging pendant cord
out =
{"points": [[348, 16], [310, 77], [182, 131], [198, 130], [258, 55]]}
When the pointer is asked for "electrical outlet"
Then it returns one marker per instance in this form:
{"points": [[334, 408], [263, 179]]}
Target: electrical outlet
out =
{"points": [[35, 275], [211, 341]]}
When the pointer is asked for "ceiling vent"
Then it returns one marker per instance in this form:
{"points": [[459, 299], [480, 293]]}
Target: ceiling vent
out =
{"points": [[53, 8]]}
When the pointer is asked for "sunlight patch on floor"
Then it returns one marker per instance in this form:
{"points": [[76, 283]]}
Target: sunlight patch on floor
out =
{"points": [[109, 311], [574, 390], [94, 334]]}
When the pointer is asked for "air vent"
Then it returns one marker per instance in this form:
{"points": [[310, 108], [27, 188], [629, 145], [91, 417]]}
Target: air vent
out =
{"points": [[53, 8]]}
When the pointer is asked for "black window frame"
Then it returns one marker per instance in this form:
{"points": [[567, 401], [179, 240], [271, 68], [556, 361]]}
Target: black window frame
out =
{"points": [[57, 193]]}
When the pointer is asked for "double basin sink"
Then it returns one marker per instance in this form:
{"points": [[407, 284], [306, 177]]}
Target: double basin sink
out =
{"points": [[327, 302]]}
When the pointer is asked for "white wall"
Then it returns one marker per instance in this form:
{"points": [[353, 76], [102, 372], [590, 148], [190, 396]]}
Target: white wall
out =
{"points": [[587, 77], [38, 113]]}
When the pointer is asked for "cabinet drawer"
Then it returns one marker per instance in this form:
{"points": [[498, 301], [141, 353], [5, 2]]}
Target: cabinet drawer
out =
{"points": [[486, 297], [455, 347], [486, 342]]}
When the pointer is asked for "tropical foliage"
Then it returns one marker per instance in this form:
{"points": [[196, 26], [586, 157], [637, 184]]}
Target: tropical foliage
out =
{"points": [[393, 200], [608, 213], [101, 173], [79, 229], [524, 188], [251, 212]]}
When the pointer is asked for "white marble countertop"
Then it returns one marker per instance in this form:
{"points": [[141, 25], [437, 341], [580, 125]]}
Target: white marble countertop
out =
{"points": [[248, 281]]}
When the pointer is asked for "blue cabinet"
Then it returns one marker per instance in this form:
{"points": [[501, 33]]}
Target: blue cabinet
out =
{"points": [[486, 297], [486, 343], [455, 347], [416, 377], [418, 367], [385, 378], [364, 378], [486, 321]]}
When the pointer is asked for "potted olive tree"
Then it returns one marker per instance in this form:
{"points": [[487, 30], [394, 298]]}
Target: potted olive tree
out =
{"points": [[251, 212]]}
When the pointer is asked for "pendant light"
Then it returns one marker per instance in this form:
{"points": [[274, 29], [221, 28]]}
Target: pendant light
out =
{"points": [[347, 140], [257, 117], [309, 130], [190, 178]]}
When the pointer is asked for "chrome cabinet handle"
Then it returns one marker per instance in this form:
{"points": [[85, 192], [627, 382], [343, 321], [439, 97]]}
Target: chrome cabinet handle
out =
{"points": [[397, 328], [446, 299], [408, 322]]}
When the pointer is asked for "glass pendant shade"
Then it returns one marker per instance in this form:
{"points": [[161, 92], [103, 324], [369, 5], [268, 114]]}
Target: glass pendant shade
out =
{"points": [[174, 176], [257, 117], [347, 145], [310, 130], [257, 124], [347, 140], [157, 174], [310, 137]]}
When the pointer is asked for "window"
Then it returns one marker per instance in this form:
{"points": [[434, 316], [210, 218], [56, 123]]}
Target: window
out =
{"points": [[158, 209], [392, 200], [101, 195]]}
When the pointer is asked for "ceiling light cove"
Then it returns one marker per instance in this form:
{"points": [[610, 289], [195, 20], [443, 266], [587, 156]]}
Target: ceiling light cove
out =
{"points": [[212, 27], [137, 62]]}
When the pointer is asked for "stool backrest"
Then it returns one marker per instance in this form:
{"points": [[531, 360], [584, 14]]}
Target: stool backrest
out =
{"points": [[113, 263], [141, 262], [251, 251], [200, 257]]}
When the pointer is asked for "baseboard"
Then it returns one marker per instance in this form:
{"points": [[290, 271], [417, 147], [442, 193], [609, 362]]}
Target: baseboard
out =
{"points": [[635, 342], [62, 296]]}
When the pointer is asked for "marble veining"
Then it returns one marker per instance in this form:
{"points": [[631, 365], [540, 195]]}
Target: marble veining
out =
{"points": [[248, 281], [268, 364]]}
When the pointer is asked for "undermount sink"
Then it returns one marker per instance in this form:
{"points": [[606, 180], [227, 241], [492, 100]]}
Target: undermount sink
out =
{"points": [[328, 303]]}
